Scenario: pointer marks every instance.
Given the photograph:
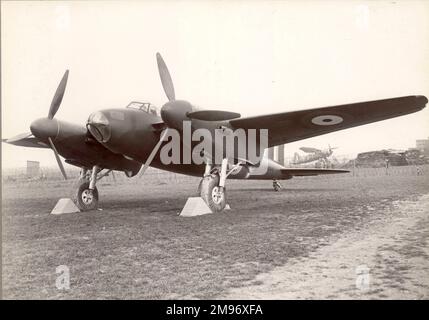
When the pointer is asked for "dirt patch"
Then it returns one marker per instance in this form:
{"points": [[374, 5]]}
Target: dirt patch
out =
{"points": [[392, 253]]}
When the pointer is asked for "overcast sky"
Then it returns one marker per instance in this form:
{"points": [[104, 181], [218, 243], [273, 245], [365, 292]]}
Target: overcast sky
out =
{"points": [[244, 56]]}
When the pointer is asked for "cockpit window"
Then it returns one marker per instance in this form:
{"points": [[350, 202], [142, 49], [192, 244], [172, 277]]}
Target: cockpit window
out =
{"points": [[143, 106]]}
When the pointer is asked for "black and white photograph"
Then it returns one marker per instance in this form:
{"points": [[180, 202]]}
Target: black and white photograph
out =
{"points": [[215, 151]]}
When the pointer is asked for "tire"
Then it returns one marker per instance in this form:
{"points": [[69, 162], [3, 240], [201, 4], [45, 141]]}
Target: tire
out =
{"points": [[199, 187], [87, 199], [212, 195]]}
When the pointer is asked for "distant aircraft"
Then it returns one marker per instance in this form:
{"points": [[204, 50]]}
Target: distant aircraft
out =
{"points": [[124, 139], [313, 154]]}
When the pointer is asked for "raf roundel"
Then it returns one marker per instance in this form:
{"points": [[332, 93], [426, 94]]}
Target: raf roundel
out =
{"points": [[326, 120]]}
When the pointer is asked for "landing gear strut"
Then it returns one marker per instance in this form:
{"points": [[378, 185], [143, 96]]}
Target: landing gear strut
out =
{"points": [[87, 193]]}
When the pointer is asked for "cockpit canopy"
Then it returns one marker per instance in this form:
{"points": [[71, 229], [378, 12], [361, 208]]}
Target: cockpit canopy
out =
{"points": [[144, 106]]}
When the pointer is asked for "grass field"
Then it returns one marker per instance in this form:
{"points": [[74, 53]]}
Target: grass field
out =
{"points": [[138, 247]]}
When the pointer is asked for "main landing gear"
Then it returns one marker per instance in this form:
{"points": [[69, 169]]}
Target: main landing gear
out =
{"points": [[212, 186], [87, 193], [276, 185]]}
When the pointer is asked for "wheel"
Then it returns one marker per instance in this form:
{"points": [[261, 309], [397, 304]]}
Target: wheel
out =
{"points": [[276, 186], [212, 194], [87, 199]]}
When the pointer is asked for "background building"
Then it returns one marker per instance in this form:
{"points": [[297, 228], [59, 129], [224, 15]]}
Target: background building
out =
{"points": [[423, 146], [33, 169]]}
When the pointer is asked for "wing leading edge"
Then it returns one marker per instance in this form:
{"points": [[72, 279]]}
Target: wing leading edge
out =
{"points": [[26, 140], [297, 125]]}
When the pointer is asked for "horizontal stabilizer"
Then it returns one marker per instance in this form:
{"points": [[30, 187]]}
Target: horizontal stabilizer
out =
{"points": [[300, 172]]}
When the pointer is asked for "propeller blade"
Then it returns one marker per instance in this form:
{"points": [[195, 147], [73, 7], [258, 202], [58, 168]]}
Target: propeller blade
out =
{"points": [[166, 81], [60, 164], [152, 154], [213, 115], [58, 97]]}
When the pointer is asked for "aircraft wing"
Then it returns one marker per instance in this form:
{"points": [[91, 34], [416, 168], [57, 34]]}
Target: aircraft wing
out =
{"points": [[309, 150], [26, 140], [296, 125], [301, 172]]}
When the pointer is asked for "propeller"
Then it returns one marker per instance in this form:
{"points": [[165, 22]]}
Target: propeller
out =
{"points": [[175, 111], [152, 154], [47, 128]]}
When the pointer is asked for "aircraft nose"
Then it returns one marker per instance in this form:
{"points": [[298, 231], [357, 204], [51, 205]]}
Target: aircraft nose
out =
{"points": [[98, 125], [44, 128]]}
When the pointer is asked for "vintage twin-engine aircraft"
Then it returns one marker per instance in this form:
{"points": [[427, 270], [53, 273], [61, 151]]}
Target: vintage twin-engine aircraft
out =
{"points": [[124, 139], [313, 154]]}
